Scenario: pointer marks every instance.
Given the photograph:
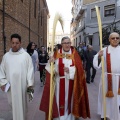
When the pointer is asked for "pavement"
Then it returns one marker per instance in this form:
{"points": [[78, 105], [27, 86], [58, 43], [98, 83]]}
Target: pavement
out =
{"points": [[33, 107]]}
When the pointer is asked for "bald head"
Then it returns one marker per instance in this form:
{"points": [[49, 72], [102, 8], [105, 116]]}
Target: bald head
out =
{"points": [[114, 39], [112, 34], [90, 47]]}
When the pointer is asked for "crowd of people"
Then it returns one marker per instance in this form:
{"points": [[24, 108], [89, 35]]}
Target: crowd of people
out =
{"points": [[73, 68], [87, 54]]}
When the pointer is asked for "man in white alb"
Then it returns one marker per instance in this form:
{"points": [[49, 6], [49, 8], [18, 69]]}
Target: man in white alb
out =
{"points": [[111, 55], [17, 69]]}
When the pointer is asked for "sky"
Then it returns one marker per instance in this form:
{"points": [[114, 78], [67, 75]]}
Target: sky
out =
{"points": [[64, 8]]}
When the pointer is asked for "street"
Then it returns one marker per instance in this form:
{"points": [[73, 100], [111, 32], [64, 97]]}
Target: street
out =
{"points": [[33, 107]]}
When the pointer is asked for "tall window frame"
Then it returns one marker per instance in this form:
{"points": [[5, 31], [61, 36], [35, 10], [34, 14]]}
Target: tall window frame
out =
{"points": [[93, 13], [109, 10]]}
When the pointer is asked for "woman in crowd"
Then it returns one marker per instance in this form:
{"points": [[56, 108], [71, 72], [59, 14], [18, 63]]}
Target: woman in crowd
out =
{"points": [[34, 55]]}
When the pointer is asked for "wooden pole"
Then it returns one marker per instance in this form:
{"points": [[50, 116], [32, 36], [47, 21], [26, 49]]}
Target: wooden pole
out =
{"points": [[102, 59]]}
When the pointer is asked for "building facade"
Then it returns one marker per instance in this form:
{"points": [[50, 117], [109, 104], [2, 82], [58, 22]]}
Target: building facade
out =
{"points": [[25, 17], [84, 25]]}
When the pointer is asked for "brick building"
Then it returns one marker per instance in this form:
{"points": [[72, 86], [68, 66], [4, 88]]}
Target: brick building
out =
{"points": [[26, 17]]}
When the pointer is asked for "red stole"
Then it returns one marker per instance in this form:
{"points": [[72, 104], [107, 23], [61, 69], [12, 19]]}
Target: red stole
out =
{"points": [[109, 75], [62, 89]]}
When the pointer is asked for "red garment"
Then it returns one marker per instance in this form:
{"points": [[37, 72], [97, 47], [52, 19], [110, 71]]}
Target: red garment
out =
{"points": [[41, 67], [80, 95]]}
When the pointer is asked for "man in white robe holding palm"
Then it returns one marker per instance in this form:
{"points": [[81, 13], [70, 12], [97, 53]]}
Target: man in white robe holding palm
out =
{"points": [[111, 55], [17, 69]]}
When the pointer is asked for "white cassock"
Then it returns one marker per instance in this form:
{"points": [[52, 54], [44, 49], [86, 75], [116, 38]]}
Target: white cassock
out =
{"points": [[113, 103], [17, 69], [35, 60], [67, 63]]}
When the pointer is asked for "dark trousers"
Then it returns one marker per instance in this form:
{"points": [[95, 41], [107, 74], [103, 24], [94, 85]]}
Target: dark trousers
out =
{"points": [[41, 73], [41, 69], [88, 72]]}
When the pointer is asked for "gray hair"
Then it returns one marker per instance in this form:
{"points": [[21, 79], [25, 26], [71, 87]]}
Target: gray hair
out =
{"points": [[66, 37]]}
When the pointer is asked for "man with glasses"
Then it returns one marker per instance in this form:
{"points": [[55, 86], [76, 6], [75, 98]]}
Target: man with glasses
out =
{"points": [[111, 55], [71, 97]]}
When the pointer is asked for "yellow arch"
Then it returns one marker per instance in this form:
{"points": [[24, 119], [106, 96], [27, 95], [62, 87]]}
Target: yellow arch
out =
{"points": [[57, 18]]}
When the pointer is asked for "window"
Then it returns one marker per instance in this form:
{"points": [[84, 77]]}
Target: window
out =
{"points": [[35, 9], [90, 40], [79, 38], [109, 10], [76, 42], [93, 13]]}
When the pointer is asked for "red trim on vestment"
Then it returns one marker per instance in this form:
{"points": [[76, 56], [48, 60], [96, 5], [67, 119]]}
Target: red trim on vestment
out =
{"points": [[61, 87], [71, 82], [109, 76]]}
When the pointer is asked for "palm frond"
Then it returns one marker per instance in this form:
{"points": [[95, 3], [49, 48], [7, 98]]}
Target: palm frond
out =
{"points": [[58, 17]]}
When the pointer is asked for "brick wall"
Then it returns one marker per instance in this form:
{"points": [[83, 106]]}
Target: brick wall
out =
{"points": [[19, 17]]}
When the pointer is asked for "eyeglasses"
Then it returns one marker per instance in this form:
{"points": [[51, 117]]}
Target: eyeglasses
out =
{"points": [[66, 43], [33, 45], [113, 38]]}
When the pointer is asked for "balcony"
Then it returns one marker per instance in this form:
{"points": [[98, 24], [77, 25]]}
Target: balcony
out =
{"points": [[80, 12]]}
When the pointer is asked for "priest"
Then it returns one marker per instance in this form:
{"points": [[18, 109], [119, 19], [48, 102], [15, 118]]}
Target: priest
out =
{"points": [[70, 97], [16, 70], [111, 55]]}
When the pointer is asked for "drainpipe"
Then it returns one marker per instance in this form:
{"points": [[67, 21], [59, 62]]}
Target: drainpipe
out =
{"points": [[29, 18], [39, 24], [43, 26], [4, 37]]}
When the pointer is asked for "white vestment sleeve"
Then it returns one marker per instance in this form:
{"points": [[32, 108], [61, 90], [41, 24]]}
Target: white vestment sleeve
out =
{"points": [[47, 67], [71, 73], [3, 79], [95, 62], [30, 72], [37, 60]]}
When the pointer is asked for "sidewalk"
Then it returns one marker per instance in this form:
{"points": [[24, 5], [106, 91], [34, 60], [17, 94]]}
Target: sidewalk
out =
{"points": [[33, 107]]}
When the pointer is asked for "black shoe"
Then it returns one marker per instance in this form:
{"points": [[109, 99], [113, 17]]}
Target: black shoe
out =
{"points": [[92, 80], [103, 118], [88, 82]]}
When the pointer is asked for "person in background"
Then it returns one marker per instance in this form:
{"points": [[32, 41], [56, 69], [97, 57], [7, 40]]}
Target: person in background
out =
{"points": [[36, 48], [111, 56], [16, 71], [43, 59], [84, 46], [34, 55], [89, 55], [57, 47], [71, 97], [81, 51]]}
